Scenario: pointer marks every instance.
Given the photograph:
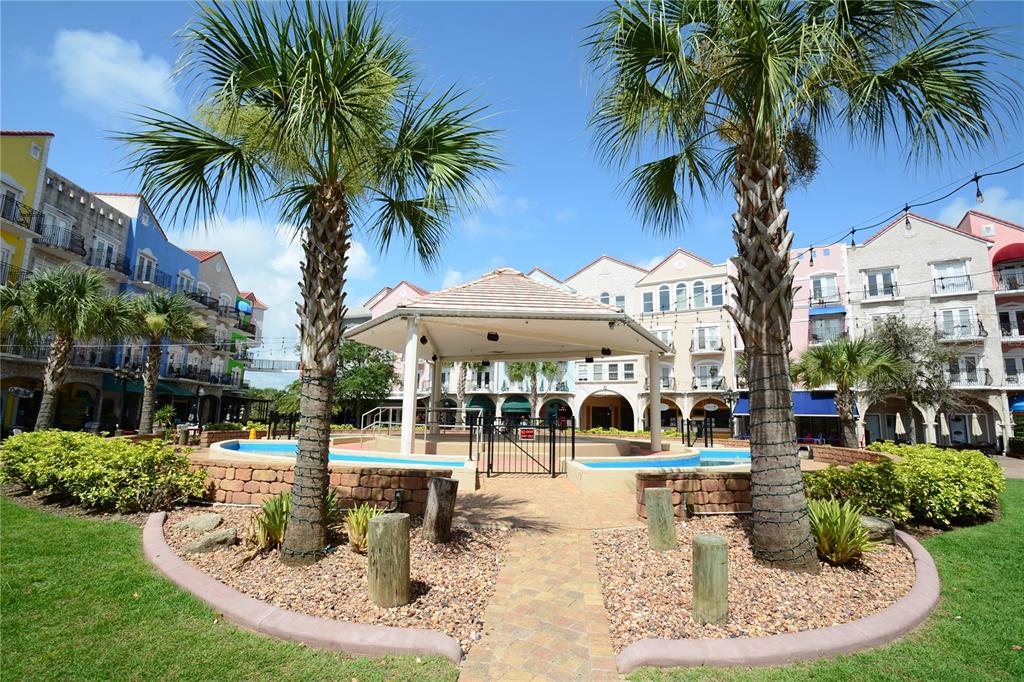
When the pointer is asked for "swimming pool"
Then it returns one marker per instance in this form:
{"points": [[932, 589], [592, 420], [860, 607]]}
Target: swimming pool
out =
{"points": [[703, 458], [289, 448]]}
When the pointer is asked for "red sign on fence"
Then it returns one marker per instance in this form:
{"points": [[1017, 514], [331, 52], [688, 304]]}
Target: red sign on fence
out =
{"points": [[527, 433]]}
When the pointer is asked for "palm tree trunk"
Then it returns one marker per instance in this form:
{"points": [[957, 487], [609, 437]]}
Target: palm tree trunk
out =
{"points": [[764, 288], [150, 377], [460, 393], [847, 422], [533, 395], [321, 315], [57, 365]]}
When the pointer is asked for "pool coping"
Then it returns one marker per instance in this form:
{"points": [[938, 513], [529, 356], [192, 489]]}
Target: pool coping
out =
{"points": [[871, 631], [273, 621]]}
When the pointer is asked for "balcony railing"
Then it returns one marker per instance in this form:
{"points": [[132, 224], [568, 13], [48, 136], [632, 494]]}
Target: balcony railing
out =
{"points": [[880, 293], [157, 278], [825, 299], [58, 237], [960, 331], [99, 259], [204, 300], [483, 386], [247, 327], [951, 284], [666, 383], [979, 377], [18, 213], [816, 336], [12, 275], [709, 383], [698, 345], [1011, 281]]}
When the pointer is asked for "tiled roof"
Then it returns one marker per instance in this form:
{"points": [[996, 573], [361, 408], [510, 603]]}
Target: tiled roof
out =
{"points": [[509, 290], [14, 133], [250, 296], [202, 254]]}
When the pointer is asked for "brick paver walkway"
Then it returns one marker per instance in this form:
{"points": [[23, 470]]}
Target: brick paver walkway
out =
{"points": [[546, 620]]}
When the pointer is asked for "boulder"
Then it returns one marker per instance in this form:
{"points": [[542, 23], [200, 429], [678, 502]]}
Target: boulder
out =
{"points": [[225, 537], [200, 523], [879, 530]]}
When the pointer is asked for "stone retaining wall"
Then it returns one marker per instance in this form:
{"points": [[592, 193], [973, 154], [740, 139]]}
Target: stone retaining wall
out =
{"points": [[207, 438], [698, 493], [254, 482], [830, 454]]}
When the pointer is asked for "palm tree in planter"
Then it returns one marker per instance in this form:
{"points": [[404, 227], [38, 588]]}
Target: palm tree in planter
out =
{"points": [[160, 317], [67, 305], [736, 95], [847, 364], [533, 371], [317, 109]]}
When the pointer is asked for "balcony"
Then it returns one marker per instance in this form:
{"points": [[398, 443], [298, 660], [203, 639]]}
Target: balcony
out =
{"points": [[968, 379], [706, 345], [62, 238], [247, 327], [666, 383], [952, 284], [819, 336], [157, 278], [12, 275], [18, 213], [884, 292], [483, 387], [1007, 282], [967, 331], [708, 383], [202, 299], [99, 259], [828, 298]]}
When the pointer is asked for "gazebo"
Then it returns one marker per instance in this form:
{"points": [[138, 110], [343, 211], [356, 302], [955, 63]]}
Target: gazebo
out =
{"points": [[504, 316]]}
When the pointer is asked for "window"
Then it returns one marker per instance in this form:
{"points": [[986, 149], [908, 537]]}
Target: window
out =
{"points": [[225, 301], [1013, 370], [203, 288], [705, 375], [964, 371], [604, 298], [827, 252], [483, 378], [880, 283], [35, 151], [620, 302], [665, 372], [56, 228], [598, 372], [663, 297], [824, 290], [581, 371], [6, 255], [663, 335], [613, 372], [956, 323], [1011, 322], [627, 371], [681, 302], [698, 294], [145, 268], [11, 196], [707, 338], [988, 230], [1011, 277], [186, 283], [717, 295], [826, 329], [951, 277], [104, 252], [648, 301]]}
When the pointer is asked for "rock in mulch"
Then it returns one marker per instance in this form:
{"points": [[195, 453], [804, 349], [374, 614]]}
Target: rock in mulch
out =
{"points": [[647, 593], [451, 583], [217, 539], [879, 530], [200, 523]]}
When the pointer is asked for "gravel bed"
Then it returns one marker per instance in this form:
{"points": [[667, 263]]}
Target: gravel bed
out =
{"points": [[450, 583], [647, 594]]}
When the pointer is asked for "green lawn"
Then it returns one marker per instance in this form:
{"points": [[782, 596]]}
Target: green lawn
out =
{"points": [[78, 602], [970, 635]]}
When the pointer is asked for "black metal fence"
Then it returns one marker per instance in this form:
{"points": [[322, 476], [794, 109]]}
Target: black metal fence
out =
{"points": [[525, 445], [697, 430]]}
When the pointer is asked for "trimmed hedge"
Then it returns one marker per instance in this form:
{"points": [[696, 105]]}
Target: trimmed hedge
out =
{"points": [[929, 485], [100, 473]]}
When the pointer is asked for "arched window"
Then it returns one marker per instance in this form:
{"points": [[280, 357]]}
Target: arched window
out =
{"points": [[698, 294], [605, 298], [681, 302], [663, 297]]}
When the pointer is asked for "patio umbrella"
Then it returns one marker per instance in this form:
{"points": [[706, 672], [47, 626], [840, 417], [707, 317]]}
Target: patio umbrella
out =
{"points": [[943, 425], [901, 430], [976, 426]]}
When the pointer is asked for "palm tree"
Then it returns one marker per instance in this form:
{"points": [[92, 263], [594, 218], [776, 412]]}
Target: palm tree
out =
{"points": [[160, 317], [736, 95], [318, 109], [460, 386], [66, 304], [847, 364], [532, 371]]}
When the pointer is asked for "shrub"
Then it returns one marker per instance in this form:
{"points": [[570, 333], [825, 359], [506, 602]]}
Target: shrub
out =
{"points": [[875, 488], [343, 427], [222, 426], [357, 522], [101, 473], [838, 533]]}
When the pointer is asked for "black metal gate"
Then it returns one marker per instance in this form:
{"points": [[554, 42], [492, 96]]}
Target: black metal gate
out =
{"points": [[696, 430], [525, 445]]}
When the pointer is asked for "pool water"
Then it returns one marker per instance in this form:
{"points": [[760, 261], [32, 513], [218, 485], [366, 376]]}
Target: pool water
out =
{"points": [[704, 458], [290, 449]]}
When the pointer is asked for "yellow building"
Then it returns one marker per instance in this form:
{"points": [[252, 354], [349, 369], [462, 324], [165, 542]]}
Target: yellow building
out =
{"points": [[23, 156]]}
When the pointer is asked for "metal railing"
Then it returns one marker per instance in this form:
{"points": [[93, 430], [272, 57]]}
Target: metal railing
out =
{"points": [[825, 300], [247, 327], [12, 275], [978, 377], [58, 237], [824, 336], [157, 278], [951, 284], [204, 300], [881, 292], [18, 213], [707, 345], [1010, 282], [429, 422], [708, 383], [100, 259], [967, 330], [666, 383]]}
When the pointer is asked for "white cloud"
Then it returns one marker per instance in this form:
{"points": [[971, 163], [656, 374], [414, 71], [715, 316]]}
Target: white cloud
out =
{"points": [[566, 215], [452, 277], [265, 258], [998, 203], [103, 74], [653, 261]]}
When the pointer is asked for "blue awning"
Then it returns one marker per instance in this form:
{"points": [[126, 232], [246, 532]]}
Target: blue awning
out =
{"points": [[828, 310], [1017, 403], [805, 404]]}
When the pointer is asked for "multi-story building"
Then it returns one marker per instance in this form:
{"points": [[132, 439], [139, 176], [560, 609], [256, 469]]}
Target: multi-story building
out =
{"points": [[967, 282], [24, 155]]}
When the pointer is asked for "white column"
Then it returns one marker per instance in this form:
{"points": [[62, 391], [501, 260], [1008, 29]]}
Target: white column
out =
{"points": [[654, 412], [434, 415], [409, 360]]}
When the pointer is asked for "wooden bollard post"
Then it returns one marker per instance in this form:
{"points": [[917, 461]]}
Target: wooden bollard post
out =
{"points": [[437, 521], [387, 562], [661, 522], [710, 579], [182, 435]]}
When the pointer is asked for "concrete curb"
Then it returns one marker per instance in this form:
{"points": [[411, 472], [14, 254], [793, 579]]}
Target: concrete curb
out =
{"points": [[874, 630], [259, 616]]}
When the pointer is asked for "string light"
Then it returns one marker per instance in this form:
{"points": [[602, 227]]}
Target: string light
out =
{"points": [[977, 184]]}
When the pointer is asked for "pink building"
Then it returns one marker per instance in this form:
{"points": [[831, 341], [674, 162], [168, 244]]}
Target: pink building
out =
{"points": [[820, 304]]}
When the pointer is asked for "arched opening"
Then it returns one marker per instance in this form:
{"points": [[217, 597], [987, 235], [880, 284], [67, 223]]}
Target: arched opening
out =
{"points": [[881, 422], [515, 408], [19, 398], [663, 298], [78, 407], [477, 405], [606, 410], [669, 414], [447, 415], [714, 409], [556, 410]]}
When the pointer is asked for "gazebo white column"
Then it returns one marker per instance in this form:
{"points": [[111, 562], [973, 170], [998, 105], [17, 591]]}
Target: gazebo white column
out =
{"points": [[412, 338], [654, 374], [434, 416]]}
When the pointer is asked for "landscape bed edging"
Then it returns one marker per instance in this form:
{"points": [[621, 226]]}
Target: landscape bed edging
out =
{"points": [[267, 619], [793, 647]]}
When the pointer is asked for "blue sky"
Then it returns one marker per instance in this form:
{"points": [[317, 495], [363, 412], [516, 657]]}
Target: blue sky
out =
{"points": [[75, 68]]}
